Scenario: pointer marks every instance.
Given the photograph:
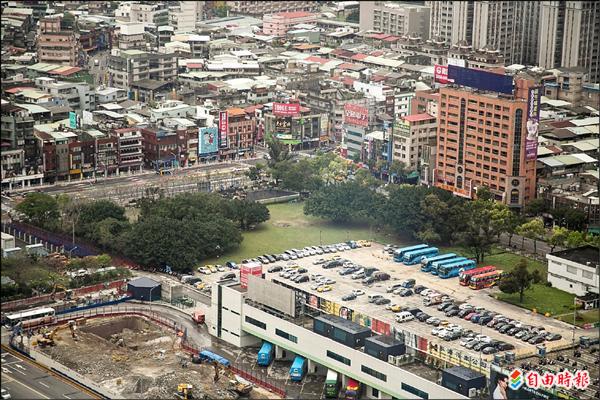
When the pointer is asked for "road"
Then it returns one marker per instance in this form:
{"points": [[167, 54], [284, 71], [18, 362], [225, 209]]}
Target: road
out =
{"points": [[526, 245], [24, 379]]}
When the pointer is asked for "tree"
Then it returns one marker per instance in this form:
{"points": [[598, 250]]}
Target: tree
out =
{"points": [[575, 219], [575, 239], [364, 178], [535, 207], [398, 171], [484, 193], [558, 238], [247, 213], [481, 226], [519, 279], [278, 152], [40, 209], [254, 172], [533, 230]]}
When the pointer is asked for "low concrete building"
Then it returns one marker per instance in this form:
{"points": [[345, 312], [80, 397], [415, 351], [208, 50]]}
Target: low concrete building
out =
{"points": [[144, 289], [576, 270]]}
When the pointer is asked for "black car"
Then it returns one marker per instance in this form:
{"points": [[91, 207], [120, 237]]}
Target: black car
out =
{"points": [[502, 346], [506, 328], [489, 350], [270, 257], [406, 293], [301, 278], [368, 281], [513, 331], [302, 270], [370, 271], [443, 306], [382, 301], [527, 337], [452, 336], [480, 346], [465, 312], [485, 319], [536, 340], [414, 311], [423, 317], [349, 297], [275, 268], [500, 325], [419, 288], [348, 270], [553, 336], [452, 312]]}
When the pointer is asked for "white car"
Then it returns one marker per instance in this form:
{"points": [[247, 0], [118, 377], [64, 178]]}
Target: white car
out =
{"points": [[204, 270], [463, 342], [465, 306], [483, 338], [425, 292], [358, 292], [4, 394], [316, 277], [443, 333], [319, 261], [404, 316], [285, 257], [436, 331], [220, 268]]}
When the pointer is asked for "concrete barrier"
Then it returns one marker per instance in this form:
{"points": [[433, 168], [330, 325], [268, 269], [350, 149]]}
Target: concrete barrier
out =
{"points": [[77, 377]]}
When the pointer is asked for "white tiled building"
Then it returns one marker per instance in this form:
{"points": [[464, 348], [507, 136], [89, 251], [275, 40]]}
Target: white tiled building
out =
{"points": [[575, 270]]}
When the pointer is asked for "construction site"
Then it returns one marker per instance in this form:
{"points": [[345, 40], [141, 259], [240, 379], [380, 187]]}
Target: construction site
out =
{"points": [[135, 358]]}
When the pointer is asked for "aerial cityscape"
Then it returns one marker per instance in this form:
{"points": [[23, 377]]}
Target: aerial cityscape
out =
{"points": [[300, 200]]}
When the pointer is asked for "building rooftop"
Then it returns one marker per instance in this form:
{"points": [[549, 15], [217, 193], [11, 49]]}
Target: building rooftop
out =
{"points": [[586, 255], [385, 340], [144, 282], [463, 372], [418, 117], [343, 323]]}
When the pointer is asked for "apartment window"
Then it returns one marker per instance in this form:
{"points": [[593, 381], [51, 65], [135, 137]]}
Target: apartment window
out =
{"points": [[588, 274], [255, 322], [373, 373], [286, 335], [339, 358], [410, 389], [517, 143], [571, 270]]}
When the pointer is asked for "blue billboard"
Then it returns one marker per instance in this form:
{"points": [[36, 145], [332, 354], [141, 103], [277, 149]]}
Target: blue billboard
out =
{"points": [[208, 141], [478, 79]]}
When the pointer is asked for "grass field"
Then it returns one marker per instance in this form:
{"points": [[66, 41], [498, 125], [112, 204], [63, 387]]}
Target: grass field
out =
{"points": [[583, 317], [289, 228], [544, 299]]}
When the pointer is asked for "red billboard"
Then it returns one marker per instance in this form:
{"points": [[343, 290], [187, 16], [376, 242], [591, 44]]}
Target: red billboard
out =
{"points": [[440, 74], [249, 269], [286, 109], [223, 128], [356, 115]]}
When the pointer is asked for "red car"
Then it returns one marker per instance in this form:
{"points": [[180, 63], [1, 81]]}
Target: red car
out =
{"points": [[469, 315]]}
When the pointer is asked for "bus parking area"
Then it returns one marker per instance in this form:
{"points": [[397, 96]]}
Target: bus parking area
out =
{"points": [[374, 256]]}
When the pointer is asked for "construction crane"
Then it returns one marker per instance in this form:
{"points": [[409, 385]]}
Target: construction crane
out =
{"points": [[184, 391]]}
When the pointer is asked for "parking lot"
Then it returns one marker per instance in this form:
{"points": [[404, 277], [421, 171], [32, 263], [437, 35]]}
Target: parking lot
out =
{"points": [[374, 256]]}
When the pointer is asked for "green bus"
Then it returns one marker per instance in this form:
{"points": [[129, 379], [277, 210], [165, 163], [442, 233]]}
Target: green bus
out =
{"points": [[332, 385]]}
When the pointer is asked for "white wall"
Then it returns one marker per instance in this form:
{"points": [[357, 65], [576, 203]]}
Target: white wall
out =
{"points": [[569, 276], [315, 347], [231, 323]]}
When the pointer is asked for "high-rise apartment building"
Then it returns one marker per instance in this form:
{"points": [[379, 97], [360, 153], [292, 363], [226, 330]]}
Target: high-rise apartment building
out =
{"points": [[394, 18], [260, 8], [451, 21], [186, 15], [569, 36], [482, 142]]}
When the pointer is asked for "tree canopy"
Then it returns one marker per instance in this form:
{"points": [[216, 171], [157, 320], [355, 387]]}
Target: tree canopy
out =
{"points": [[519, 279], [40, 209]]}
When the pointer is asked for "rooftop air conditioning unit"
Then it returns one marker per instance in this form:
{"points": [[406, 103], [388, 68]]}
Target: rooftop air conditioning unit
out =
{"points": [[472, 392], [392, 360]]}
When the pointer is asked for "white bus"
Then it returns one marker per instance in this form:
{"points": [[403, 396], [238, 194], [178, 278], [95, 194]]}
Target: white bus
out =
{"points": [[32, 318]]}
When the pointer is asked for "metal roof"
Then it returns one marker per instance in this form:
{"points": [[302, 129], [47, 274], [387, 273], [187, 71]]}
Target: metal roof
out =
{"points": [[144, 282]]}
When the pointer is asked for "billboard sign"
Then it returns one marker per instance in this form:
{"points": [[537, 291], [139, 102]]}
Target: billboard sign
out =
{"points": [[208, 141], [457, 61], [286, 109], [283, 125], [223, 127], [72, 120], [533, 123], [479, 79], [356, 115], [440, 74]]}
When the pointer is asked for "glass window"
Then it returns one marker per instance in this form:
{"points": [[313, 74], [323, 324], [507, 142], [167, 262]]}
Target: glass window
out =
{"points": [[256, 322], [286, 335], [337, 357], [373, 373], [415, 391]]}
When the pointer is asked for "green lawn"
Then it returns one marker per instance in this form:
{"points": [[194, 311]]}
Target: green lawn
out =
{"points": [[499, 258], [289, 228], [543, 298], [583, 317]]}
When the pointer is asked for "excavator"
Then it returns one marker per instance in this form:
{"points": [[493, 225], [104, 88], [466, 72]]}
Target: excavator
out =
{"points": [[184, 391], [47, 339], [68, 292], [235, 384]]}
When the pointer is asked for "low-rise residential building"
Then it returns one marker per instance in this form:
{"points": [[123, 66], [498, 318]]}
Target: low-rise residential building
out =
{"points": [[241, 135], [279, 24], [395, 18], [260, 8], [131, 36], [128, 66], [57, 42], [77, 95], [576, 271]]}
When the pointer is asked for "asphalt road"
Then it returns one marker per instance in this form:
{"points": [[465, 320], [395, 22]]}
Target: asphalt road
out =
{"points": [[23, 379]]}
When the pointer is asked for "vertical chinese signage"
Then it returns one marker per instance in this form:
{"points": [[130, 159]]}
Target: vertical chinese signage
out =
{"points": [[533, 122], [72, 120], [356, 115], [223, 127]]}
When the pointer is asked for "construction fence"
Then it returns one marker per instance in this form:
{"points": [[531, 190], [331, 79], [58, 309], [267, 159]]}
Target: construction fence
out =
{"points": [[261, 380]]}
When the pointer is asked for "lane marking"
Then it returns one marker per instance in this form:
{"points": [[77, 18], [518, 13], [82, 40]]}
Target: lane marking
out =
{"points": [[21, 372], [43, 384], [31, 389]]}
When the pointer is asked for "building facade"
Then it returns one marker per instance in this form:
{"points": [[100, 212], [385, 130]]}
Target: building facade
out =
{"points": [[411, 134], [57, 43], [278, 24], [481, 142], [394, 18], [576, 271], [128, 66], [260, 8], [451, 21]]}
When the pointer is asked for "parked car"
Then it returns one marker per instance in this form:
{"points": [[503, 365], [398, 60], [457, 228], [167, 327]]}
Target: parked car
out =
{"points": [[437, 330], [419, 288], [452, 312], [275, 268], [522, 333], [324, 288], [358, 275], [204, 270], [414, 311], [406, 293], [451, 335], [472, 344], [553, 336], [435, 321], [506, 328], [369, 280], [358, 292], [536, 340], [319, 261], [445, 305], [485, 319], [408, 283], [396, 308], [348, 297], [382, 301], [479, 346], [373, 297], [463, 312], [270, 257], [404, 316], [503, 346], [489, 350], [527, 337], [301, 279], [423, 317]]}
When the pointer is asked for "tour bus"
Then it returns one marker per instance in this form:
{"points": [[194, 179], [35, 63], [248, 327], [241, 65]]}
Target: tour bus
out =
{"points": [[298, 369], [485, 280], [427, 262], [452, 270], [206, 355], [352, 390], [332, 385], [435, 266], [464, 277], [30, 318], [265, 354], [399, 253], [415, 256]]}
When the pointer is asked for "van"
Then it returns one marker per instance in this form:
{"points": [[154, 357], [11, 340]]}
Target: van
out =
{"points": [[373, 297], [394, 287], [404, 316], [408, 284]]}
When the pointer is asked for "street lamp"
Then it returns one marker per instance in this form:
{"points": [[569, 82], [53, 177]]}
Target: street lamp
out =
{"points": [[71, 251], [320, 238]]}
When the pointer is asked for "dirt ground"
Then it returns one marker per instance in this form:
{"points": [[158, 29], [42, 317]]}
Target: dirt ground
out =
{"points": [[136, 359]]}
